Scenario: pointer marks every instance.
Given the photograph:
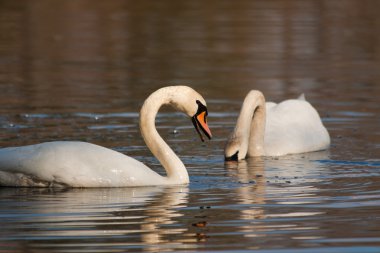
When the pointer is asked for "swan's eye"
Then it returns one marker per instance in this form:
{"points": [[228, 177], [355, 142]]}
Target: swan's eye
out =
{"points": [[201, 108]]}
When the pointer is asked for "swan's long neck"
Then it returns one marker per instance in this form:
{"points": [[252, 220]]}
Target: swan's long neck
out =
{"points": [[251, 124], [175, 169]]}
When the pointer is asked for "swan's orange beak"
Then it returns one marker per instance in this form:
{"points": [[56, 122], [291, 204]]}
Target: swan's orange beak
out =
{"points": [[200, 122], [201, 119]]}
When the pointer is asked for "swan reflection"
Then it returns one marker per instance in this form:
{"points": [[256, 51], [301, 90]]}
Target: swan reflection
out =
{"points": [[143, 217], [252, 195], [268, 182]]}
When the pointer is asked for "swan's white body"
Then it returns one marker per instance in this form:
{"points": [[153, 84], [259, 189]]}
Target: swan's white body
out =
{"points": [[80, 164], [269, 129], [74, 164]]}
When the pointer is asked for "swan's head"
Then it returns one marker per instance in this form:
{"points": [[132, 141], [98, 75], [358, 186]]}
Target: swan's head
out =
{"points": [[193, 104], [235, 149]]}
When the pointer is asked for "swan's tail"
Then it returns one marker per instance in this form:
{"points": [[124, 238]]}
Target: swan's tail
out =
{"points": [[302, 97]]}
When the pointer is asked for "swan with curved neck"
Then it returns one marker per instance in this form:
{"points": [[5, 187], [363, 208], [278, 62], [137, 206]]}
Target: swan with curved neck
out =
{"points": [[269, 129], [81, 164]]}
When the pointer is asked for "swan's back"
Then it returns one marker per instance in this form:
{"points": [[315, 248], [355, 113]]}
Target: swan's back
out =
{"points": [[293, 126], [74, 164]]}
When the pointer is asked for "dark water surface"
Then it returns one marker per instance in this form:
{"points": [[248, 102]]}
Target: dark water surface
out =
{"points": [[80, 70]]}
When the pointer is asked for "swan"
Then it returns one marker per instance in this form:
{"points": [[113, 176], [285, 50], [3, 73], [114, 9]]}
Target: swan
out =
{"points": [[81, 164], [269, 129]]}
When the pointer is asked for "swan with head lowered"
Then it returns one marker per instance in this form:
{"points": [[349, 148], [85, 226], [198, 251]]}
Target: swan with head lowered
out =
{"points": [[268, 129], [81, 164]]}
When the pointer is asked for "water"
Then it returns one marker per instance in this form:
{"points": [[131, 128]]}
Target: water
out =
{"points": [[80, 70]]}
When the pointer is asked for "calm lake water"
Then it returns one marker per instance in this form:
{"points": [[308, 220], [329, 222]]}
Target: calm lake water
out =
{"points": [[80, 70]]}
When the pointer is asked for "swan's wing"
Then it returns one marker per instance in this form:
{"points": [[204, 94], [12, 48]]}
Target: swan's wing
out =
{"points": [[75, 164], [294, 126]]}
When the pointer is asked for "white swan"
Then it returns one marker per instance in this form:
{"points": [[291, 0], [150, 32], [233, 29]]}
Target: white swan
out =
{"points": [[269, 129], [81, 164]]}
